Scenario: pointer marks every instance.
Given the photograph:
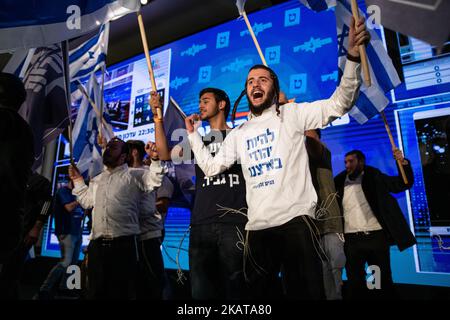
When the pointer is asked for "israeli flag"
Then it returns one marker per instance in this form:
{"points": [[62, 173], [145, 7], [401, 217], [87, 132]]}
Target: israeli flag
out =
{"points": [[240, 4], [86, 150], [318, 5], [33, 24], [384, 77], [85, 59], [45, 108], [90, 56]]}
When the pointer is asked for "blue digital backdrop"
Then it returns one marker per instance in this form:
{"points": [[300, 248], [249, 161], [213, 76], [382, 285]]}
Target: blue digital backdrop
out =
{"points": [[300, 45]]}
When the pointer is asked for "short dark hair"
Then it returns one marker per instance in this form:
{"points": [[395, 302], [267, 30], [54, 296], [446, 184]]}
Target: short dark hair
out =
{"points": [[136, 145], [219, 95], [358, 153], [12, 91], [125, 148], [276, 88]]}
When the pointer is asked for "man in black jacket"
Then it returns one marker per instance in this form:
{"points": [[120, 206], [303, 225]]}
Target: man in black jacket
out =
{"points": [[373, 220], [16, 159]]}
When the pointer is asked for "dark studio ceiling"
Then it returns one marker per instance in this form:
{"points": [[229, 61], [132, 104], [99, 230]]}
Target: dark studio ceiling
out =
{"points": [[166, 21], [169, 20]]}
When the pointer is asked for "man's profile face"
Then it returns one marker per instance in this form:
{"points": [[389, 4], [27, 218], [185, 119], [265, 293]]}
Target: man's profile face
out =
{"points": [[208, 106], [260, 90]]}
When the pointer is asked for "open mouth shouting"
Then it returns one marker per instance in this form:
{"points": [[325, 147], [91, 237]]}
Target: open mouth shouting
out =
{"points": [[257, 96]]}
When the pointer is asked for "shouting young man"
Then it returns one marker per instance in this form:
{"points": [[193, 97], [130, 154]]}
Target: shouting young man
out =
{"points": [[280, 195]]}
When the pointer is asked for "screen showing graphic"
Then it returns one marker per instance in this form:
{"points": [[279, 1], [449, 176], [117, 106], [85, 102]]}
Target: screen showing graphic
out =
{"points": [[425, 134], [50, 245], [426, 69]]}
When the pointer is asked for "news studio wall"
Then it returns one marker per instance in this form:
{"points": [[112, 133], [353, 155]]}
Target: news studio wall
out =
{"points": [[301, 46]]}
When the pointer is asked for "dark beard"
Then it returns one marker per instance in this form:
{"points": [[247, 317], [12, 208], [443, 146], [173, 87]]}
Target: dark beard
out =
{"points": [[355, 174], [265, 105]]}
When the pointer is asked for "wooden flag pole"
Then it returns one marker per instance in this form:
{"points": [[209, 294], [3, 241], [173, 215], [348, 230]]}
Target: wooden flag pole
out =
{"points": [[65, 52], [391, 138], [362, 49], [100, 129], [147, 57], [250, 29]]}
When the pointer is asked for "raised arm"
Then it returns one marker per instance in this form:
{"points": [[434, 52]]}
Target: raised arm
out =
{"points": [[152, 178], [319, 114], [210, 165], [160, 136], [395, 184]]}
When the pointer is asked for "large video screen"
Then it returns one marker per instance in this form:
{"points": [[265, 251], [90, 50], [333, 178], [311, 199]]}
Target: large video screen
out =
{"points": [[300, 45], [425, 68]]}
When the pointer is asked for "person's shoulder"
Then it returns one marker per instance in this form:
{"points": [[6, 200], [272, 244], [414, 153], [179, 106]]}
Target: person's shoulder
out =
{"points": [[371, 170], [291, 106]]}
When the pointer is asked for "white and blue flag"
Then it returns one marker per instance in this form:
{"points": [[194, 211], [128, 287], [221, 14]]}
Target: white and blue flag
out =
{"points": [[45, 108], [32, 24], [372, 100], [86, 150], [90, 56]]}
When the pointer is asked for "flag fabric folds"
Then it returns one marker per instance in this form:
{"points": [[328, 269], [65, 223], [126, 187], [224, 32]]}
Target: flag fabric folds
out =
{"points": [[176, 134], [372, 100], [240, 4], [45, 22], [90, 56], [45, 108], [86, 150]]}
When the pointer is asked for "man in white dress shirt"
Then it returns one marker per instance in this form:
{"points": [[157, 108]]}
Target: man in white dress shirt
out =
{"points": [[115, 196], [373, 221]]}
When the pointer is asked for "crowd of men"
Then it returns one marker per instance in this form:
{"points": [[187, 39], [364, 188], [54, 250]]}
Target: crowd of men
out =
{"points": [[268, 220]]}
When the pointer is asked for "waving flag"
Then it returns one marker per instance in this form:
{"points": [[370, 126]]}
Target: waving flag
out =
{"points": [[85, 131], [318, 5], [85, 59], [184, 171], [90, 56], [32, 24], [240, 4], [45, 107], [372, 100]]}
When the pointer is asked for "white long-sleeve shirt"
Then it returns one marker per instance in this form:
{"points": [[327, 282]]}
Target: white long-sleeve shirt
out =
{"points": [[272, 152], [115, 196], [358, 216]]}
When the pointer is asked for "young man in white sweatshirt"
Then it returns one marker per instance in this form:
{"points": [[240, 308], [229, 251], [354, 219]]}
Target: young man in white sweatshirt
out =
{"points": [[280, 195]]}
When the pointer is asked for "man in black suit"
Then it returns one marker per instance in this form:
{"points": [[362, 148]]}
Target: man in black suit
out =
{"points": [[373, 220]]}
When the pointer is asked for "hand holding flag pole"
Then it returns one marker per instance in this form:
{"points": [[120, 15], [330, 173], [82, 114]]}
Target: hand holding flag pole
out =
{"points": [[65, 56], [240, 5], [102, 101], [368, 83], [149, 61], [394, 147]]}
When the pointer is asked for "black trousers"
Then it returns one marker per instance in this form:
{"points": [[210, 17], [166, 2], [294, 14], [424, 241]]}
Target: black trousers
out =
{"points": [[112, 268], [150, 281], [11, 273], [373, 249], [289, 248], [216, 261]]}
